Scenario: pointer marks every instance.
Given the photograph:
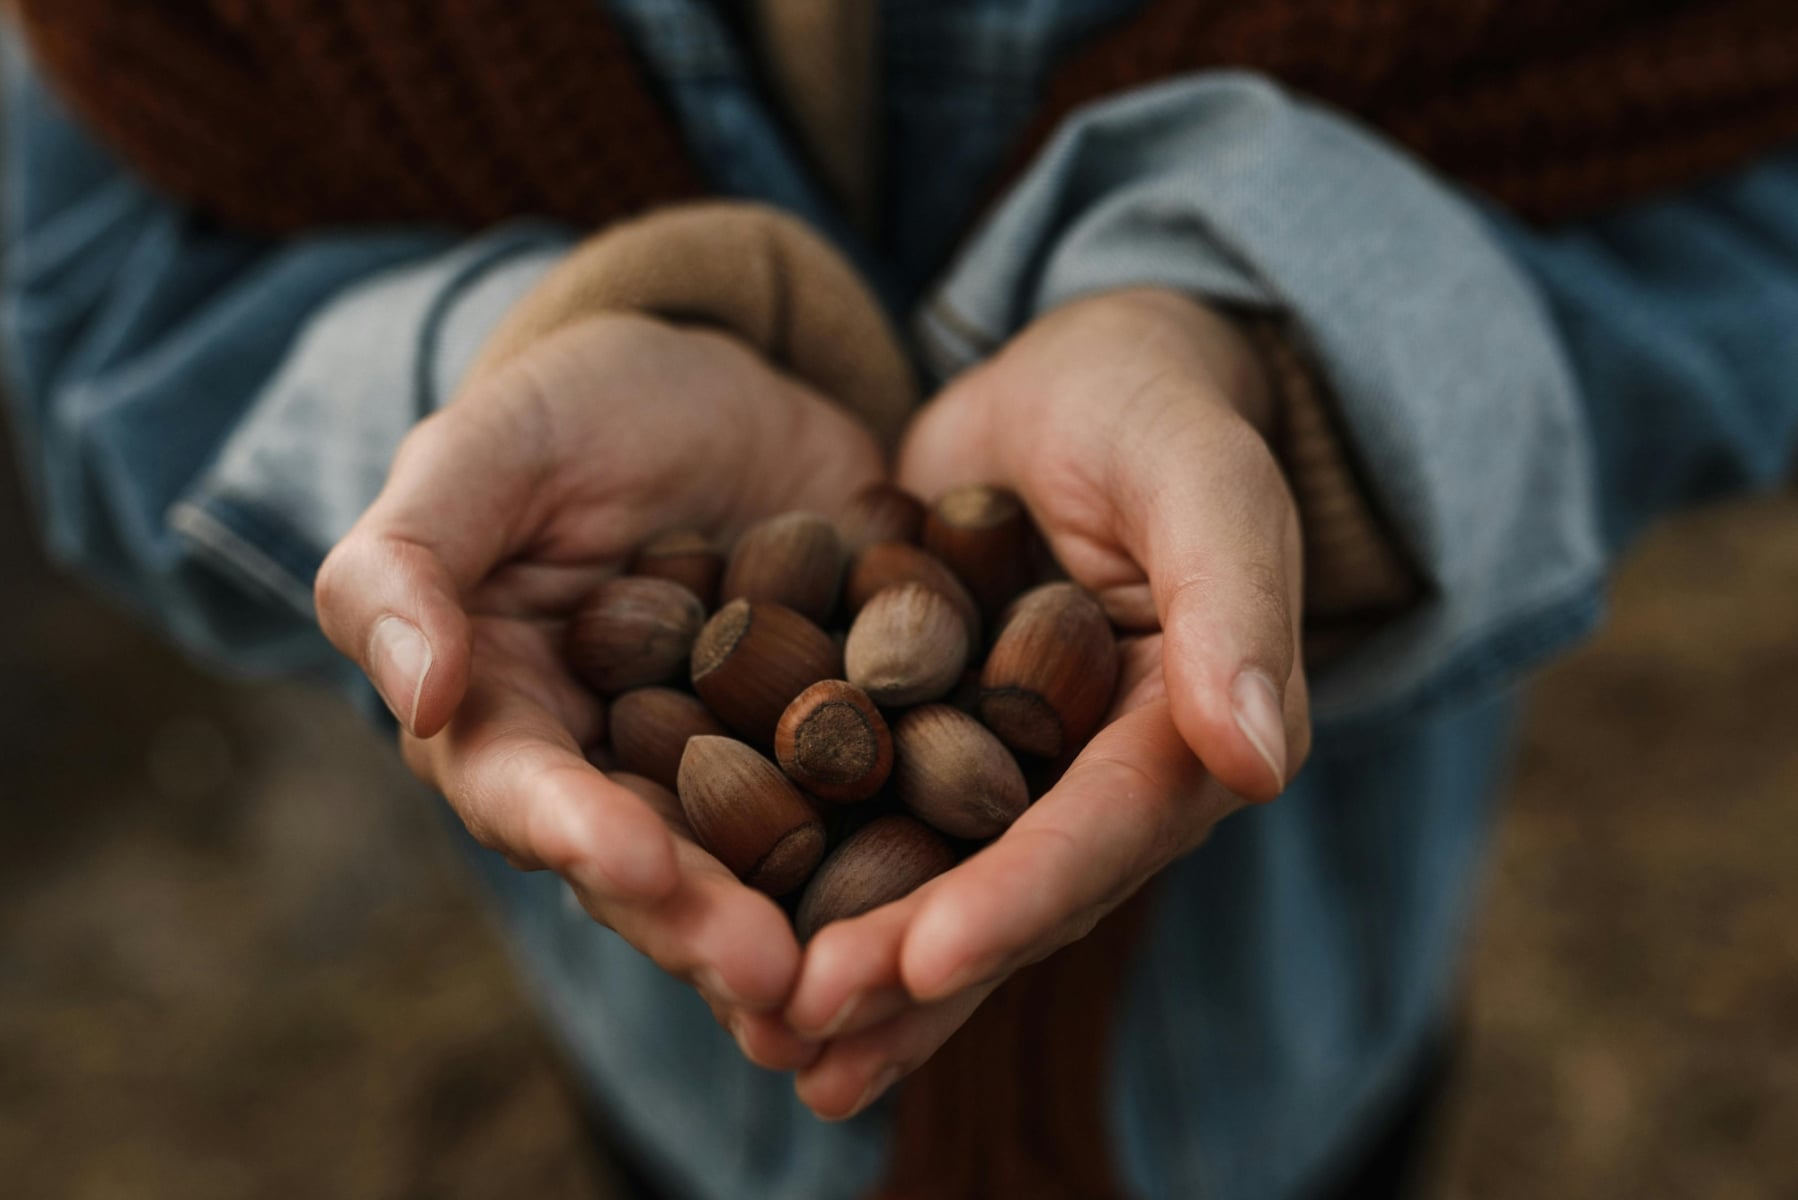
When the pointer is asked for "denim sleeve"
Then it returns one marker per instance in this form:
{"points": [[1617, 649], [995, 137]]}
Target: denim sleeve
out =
{"points": [[1680, 317], [198, 410], [1446, 369]]}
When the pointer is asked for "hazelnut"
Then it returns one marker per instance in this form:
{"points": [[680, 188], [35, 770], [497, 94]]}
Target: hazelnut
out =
{"points": [[630, 632], [794, 559], [748, 815], [880, 512], [684, 557], [886, 564], [834, 743], [885, 860], [984, 535], [650, 728], [953, 773], [1049, 679], [908, 645], [751, 660]]}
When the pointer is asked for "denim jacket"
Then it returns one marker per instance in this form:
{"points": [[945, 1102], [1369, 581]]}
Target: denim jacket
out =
{"points": [[203, 413]]}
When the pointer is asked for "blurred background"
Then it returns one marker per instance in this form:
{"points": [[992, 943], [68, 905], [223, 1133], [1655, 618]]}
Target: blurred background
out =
{"points": [[237, 958]]}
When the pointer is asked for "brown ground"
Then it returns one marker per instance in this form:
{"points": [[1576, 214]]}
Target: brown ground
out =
{"points": [[236, 961]]}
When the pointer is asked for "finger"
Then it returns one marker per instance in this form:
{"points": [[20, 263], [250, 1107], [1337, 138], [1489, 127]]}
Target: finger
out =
{"points": [[947, 444], [729, 941], [732, 943], [765, 1040], [1134, 800], [459, 492], [513, 770], [1221, 549], [853, 1072], [849, 977]]}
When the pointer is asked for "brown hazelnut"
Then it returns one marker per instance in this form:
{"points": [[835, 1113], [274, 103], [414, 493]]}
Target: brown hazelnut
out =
{"points": [[794, 559], [684, 557], [886, 564], [748, 815], [751, 660], [880, 512], [630, 632], [984, 535], [908, 645], [650, 727], [885, 860], [953, 773], [1049, 679], [834, 743]]}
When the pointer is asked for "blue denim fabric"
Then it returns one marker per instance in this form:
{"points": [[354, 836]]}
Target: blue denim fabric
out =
{"points": [[202, 413]]}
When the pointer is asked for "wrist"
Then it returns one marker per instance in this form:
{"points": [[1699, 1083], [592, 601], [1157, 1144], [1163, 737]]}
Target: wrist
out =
{"points": [[1219, 348]]}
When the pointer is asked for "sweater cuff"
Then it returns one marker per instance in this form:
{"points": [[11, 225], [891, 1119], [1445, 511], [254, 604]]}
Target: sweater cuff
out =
{"points": [[313, 448], [1356, 576]]}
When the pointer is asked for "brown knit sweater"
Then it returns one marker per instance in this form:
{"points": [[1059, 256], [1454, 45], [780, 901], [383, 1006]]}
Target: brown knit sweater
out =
{"points": [[283, 114]]}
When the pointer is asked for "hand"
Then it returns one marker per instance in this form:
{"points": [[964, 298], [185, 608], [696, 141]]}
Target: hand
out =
{"points": [[1132, 424], [499, 514]]}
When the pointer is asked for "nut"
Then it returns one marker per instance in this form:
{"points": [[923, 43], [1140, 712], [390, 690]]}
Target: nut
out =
{"points": [[751, 660], [650, 728], [834, 743], [983, 533], [794, 559], [955, 774], [908, 645], [631, 632], [1049, 679], [684, 557], [880, 512], [883, 861], [747, 814], [885, 564]]}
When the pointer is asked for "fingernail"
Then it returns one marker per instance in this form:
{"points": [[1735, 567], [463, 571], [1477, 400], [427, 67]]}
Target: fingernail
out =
{"points": [[712, 984], [1259, 716], [875, 1090], [734, 1023], [846, 1012], [399, 660]]}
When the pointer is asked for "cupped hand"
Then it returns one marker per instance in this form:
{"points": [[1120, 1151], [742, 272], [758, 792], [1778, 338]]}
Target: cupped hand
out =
{"points": [[1133, 425], [499, 514]]}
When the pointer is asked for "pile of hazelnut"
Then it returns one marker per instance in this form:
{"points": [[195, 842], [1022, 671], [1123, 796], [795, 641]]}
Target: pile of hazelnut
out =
{"points": [[852, 728]]}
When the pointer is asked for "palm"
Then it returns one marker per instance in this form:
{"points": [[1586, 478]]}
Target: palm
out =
{"points": [[500, 513], [1121, 422]]}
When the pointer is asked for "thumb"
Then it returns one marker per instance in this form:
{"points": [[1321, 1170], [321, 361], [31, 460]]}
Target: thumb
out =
{"points": [[1219, 539], [390, 594], [390, 605], [950, 441]]}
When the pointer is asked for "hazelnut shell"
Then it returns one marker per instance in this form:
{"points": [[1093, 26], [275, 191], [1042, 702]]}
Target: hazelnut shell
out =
{"points": [[885, 860], [751, 660], [833, 742], [888, 564], [685, 557], [880, 512], [984, 535], [1053, 668], [795, 559], [955, 774], [631, 632], [908, 645], [650, 727], [748, 815]]}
